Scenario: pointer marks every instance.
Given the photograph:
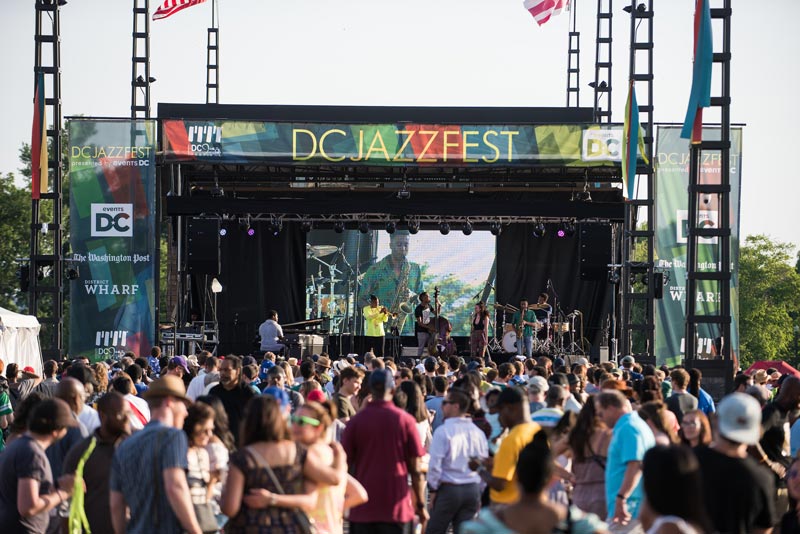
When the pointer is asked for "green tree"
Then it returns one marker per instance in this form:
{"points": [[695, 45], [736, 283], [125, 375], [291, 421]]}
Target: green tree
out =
{"points": [[769, 299], [14, 229]]}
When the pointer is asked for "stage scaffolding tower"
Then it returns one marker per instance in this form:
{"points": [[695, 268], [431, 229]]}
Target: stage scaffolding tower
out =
{"points": [[699, 189], [638, 277], [140, 61], [212, 58], [603, 62], [46, 263], [574, 61]]}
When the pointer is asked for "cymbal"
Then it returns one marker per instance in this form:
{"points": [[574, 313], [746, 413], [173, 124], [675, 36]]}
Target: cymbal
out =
{"points": [[320, 251]]}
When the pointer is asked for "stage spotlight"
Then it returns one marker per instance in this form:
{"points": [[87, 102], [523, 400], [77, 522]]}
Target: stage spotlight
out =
{"points": [[495, 228], [539, 230], [275, 227], [390, 227], [444, 227], [413, 227], [306, 226], [223, 231], [251, 232], [363, 227], [338, 227], [467, 228], [244, 225], [569, 229]]}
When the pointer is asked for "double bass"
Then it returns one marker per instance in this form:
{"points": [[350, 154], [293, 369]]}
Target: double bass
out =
{"points": [[440, 342]]}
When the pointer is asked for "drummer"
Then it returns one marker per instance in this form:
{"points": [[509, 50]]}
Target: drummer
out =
{"points": [[543, 311], [524, 321]]}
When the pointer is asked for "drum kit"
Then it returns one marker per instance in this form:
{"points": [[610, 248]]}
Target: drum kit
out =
{"points": [[322, 301], [552, 343]]}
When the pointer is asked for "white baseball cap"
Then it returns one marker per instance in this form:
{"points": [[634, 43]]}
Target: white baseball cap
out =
{"points": [[539, 383], [739, 418]]}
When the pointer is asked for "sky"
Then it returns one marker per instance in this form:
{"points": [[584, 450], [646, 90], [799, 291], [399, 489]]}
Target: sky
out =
{"points": [[417, 53]]}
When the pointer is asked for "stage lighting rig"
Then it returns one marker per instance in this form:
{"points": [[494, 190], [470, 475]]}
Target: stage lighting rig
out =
{"points": [[363, 227], [495, 228], [413, 227], [467, 228], [338, 227], [390, 227], [404, 193], [444, 228], [275, 226], [307, 226], [244, 226], [539, 229]]}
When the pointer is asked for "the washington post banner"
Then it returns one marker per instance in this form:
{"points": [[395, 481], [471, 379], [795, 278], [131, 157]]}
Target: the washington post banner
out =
{"points": [[113, 237], [672, 229]]}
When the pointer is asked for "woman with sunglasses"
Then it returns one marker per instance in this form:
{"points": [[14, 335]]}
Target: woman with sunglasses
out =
{"points": [[251, 497], [310, 428], [199, 428]]}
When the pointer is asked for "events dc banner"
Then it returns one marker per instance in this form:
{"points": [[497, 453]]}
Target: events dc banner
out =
{"points": [[672, 171], [113, 237], [402, 144]]}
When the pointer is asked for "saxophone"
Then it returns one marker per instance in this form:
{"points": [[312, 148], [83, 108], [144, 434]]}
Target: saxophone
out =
{"points": [[401, 306]]}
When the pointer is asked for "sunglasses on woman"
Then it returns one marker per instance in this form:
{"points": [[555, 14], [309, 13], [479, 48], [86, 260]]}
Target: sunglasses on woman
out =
{"points": [[301, 420]]}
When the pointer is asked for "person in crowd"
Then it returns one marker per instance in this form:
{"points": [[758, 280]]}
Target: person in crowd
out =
{"points": [[250, 377], [139, 412], [308, 386], [199, 428], [553, 411], [537, 391], [696, 429], [198, 384], [47, 388], [267, 457], [673, 492], [662, 422], [627, 364], [531, 512], [739, 494], [136, 373], [100, 370], [455, 488], [650, 390], [233, 393], [310, 428], [276, 377], [578, 397], [704, 401], [350, 379], [374, 317], [775, 417], [90, 459], [383, 448], [630, 439], [512, 406], [220, 446], [19, 419], [178, 366], [148, 471], [27, 490], [74, 395], [434, 404], [88, 415], [408, 397], [790, 522], [322, 369], [21, 383], [741, 382], [681, 401], [6, 411], [588, 443]]}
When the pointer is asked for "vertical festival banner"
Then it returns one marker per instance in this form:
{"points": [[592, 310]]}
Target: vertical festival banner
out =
{"points": [[672, 228], [113, 237]]}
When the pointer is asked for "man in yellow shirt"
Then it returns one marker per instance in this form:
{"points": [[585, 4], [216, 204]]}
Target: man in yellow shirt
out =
{"points": [[512, 404], [374, 317]]}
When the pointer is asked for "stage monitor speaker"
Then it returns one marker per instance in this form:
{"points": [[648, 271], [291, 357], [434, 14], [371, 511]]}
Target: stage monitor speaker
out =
{"points": [[595, 251], [202, 245]]}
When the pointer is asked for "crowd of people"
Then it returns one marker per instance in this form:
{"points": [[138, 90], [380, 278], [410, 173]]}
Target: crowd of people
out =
{"points": [[270, 444]]}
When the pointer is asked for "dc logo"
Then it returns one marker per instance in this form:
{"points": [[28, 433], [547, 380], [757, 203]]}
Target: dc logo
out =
{"points": [[112, 220], [601, 145]]}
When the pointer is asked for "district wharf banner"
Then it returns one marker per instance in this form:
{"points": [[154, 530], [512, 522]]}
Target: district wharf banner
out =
{"points": [[672, 173], [113, 237], [401, 144]]}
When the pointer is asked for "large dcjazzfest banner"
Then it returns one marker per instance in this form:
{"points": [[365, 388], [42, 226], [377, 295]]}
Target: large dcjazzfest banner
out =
{"points": [[672, 228], [113, 237]]}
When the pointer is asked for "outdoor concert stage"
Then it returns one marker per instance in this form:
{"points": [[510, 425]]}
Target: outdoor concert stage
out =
{"points": [[291, 207]]}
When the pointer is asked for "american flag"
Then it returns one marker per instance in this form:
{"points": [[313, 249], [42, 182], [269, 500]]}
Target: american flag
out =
{"points": [[170, 7], [542, 10]]}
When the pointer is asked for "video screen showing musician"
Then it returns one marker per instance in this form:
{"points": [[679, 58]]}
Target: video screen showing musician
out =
{"points": [[479, 331], [422, 322], [394, 280], [374, 317], [271, 334], [524, 321], [543, 311]]}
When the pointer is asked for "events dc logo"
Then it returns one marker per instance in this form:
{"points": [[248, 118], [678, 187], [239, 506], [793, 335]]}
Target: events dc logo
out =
{"points": [[601, 145], [112, 220]]}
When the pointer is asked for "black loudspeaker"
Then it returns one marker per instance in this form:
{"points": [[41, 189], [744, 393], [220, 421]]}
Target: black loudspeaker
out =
{"points": [[658, 285], [202, 245], [595, 253]]}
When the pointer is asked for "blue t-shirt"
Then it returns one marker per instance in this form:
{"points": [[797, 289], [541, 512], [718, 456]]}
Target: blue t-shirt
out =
{"points": [[705, 403], [631, 438], [435, 404]]}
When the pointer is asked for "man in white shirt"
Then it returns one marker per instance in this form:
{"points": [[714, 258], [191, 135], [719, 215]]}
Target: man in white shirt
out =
{"points": [[270, 332], [454, 487], [198, 384]]}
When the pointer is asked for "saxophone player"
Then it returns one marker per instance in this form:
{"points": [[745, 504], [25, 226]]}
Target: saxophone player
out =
{"points": [[374, 317], [392, 275]]}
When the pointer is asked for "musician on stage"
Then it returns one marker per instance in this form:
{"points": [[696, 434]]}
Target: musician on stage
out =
{"points": [[543, 311], [271, 333], [374, 317], [422, 324], [524, 321], [479, 336]]}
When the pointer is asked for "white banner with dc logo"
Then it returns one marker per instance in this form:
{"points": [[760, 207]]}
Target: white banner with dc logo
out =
{"points": [[113, 237]]}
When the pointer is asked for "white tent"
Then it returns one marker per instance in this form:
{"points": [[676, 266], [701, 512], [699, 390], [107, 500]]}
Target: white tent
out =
{"points": [[19, 340]]}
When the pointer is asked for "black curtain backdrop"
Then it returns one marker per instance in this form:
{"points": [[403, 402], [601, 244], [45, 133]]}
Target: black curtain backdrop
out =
{"points": [[259, 273], [524, 264]]}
